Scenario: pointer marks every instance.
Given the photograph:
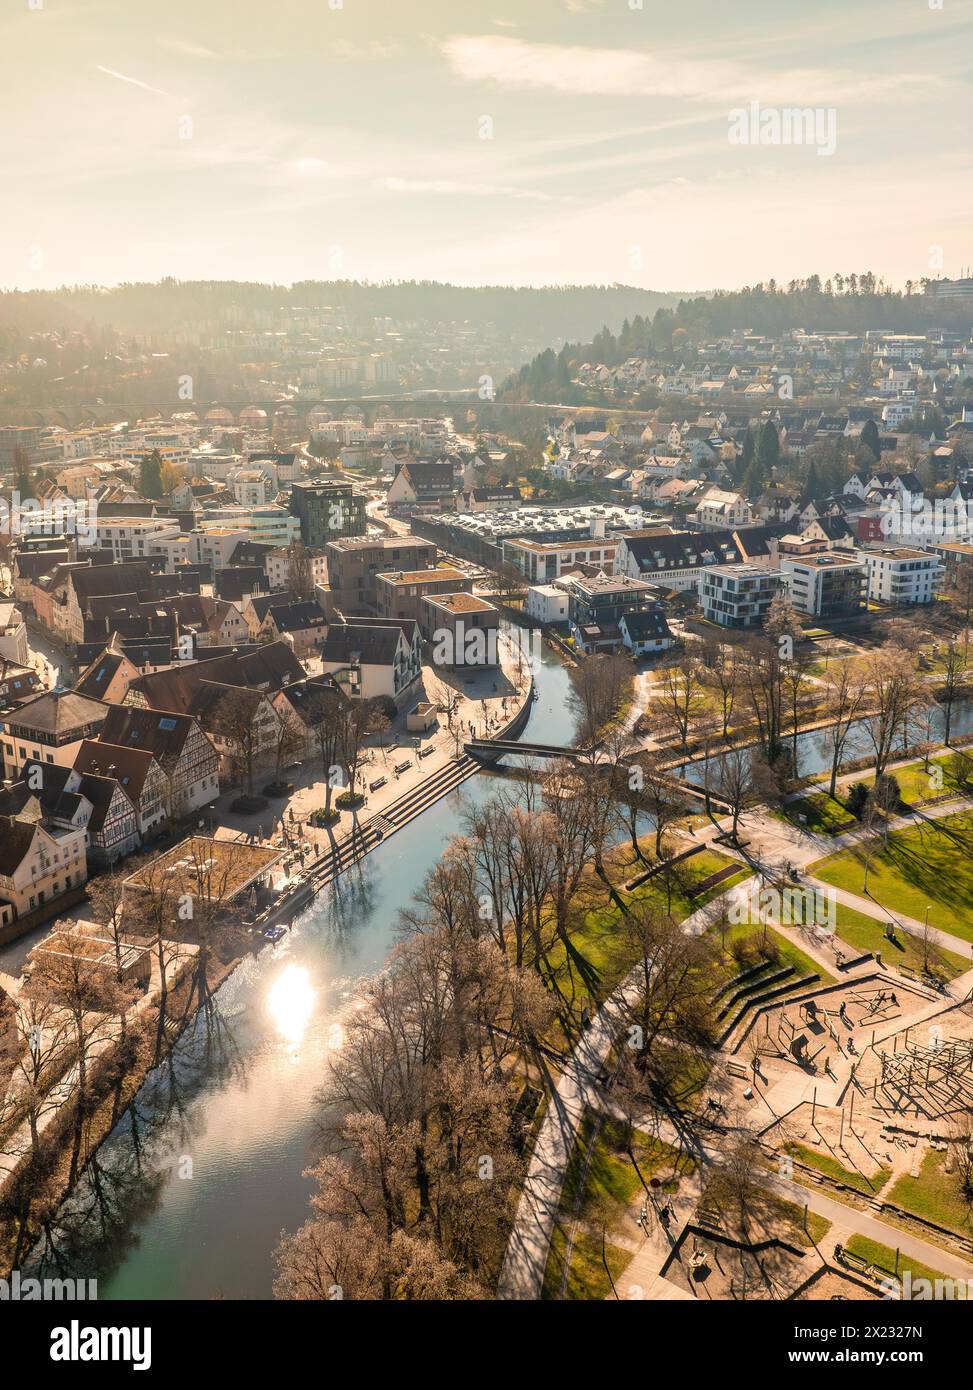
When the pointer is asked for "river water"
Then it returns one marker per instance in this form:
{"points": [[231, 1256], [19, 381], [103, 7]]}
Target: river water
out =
{"points": [[189, 1194], [814, 749]]}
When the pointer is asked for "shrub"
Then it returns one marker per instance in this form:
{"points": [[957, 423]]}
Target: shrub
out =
{"points": [[857, 799]]}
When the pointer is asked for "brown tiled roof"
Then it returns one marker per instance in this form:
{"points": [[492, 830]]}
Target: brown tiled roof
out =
{"points": [[57, 712], [129, 766], [157, 731], [271, 667], [16, 838]]}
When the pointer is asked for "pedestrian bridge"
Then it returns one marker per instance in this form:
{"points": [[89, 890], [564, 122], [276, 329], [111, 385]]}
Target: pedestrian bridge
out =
{"points": [[491, 750]]}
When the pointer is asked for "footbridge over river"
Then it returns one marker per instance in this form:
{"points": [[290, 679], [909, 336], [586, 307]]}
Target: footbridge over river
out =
{"points": [[491, 750]]}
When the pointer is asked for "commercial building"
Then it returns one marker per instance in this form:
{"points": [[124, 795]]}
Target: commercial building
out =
{"points": [[353, 565], [464, 630], [327, 511], [399, 593]]}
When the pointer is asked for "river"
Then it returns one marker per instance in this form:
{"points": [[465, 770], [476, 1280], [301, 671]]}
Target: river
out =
{"points": [[187, 1197]]}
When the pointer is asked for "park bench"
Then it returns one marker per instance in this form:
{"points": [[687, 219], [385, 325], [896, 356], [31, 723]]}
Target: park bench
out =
{"points": [[379, 782], [738, 1069], [424, 752], [403, 767]]}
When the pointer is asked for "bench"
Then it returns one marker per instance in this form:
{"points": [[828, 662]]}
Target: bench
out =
{"points": [[403, 767], [424, 752], [379, 782]]}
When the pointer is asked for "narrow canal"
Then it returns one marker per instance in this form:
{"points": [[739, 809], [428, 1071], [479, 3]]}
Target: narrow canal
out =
{"points": [[814, 750], [189, 1194]]}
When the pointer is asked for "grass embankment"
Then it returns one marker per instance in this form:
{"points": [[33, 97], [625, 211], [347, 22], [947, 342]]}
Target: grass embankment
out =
{"points": [[867, 1183], [925, 866], [597, 936], [588, 1278], [889, 1261], [864, 933], [935, 1195], [600, 1183]]}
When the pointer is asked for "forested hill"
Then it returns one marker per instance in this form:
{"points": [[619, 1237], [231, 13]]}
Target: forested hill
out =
{"points": [[851, 304], [550, 314]]}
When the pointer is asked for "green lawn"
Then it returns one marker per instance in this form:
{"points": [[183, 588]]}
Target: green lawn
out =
{"points": [[611, 1176], [947, 774], [883, 1257], [823, 814], [787, 952], [869, 1183], [587, 1276], [925, 865], [935, 1195], [597, 936], [813, 1232], [868, 934]]}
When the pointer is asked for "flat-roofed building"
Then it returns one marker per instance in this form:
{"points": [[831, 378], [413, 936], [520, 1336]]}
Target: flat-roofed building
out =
{"points": [[902, 575], [597, 604], [462, 628], [827, 584], [739, 596], [354, 563], [399, 593]]}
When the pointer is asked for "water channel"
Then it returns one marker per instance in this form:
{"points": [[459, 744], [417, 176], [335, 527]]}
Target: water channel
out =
{"points": [[189, 1194], [187, 1197]]}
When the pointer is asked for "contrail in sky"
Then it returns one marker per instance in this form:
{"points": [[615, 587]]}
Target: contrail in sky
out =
{"points": [[110, 72]]}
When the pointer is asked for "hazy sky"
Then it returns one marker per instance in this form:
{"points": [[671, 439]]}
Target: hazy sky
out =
{"points": [[332, 139]]}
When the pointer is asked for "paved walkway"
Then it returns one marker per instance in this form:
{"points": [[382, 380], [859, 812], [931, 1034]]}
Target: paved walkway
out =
{"points": [[522, 1275]]}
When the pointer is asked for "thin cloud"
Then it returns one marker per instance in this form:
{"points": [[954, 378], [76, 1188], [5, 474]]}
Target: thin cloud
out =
{"points": [[580, 71], [455, 188]]}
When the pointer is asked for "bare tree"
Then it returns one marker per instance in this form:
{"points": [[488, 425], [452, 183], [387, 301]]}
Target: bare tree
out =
{"points": [[846, 689], [62, 970], [300, 571], [325, 713], [681, 695], [237, 720], [896, 694], [956, 669], [34, 1052], [722, 675], [289, 741], [600, 685]]}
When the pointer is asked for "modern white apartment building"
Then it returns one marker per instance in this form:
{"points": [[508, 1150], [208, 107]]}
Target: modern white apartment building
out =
{"points": [[825, 584], [132, 537], [269, 524], [547, 603], [899, 574], [739, 596]]}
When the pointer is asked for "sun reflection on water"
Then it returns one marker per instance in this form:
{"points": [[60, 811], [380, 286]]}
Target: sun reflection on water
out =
{"points": [[291, 1003]]}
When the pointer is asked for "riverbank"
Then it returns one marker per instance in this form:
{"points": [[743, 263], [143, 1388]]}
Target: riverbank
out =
{"points": [[439, 777]]}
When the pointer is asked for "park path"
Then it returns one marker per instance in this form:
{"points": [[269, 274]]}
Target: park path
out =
{"points": [[522, 1274]]}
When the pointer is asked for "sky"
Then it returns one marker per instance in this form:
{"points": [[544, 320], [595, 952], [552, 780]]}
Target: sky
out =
{"points": [[518, 142]]}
